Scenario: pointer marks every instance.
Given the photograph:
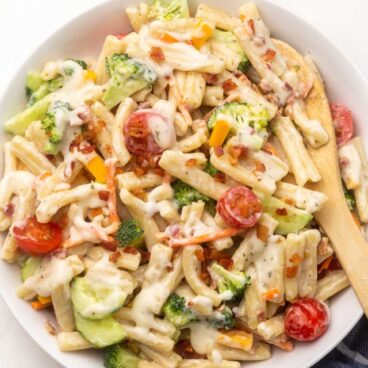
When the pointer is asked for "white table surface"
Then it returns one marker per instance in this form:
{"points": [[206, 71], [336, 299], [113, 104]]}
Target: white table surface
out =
{"points": [[24, 24]]}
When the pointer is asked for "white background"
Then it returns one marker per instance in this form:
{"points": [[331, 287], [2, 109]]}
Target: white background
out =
{"points": [[24, 24]]}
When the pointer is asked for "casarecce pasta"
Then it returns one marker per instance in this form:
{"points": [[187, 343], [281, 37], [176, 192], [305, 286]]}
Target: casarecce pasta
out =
{"points": [[159, 197]]}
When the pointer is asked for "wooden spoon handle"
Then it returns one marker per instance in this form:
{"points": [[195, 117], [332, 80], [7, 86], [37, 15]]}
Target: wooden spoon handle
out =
{"points": [[349, 245]]}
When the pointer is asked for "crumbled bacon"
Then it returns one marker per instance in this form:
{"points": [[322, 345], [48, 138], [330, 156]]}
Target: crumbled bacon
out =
{"points": [[296, 258], [291, 272], [210, 78], [281, 211], [226, 263], [220, 177], [288, 86], [103, 195], [119, 170], [269, 55], [200, 255], [219, 151], [251, 26], [93, 212], [145, 256], [159, 171], [130, 250], [157, 54], [9, 209], [139, 171], [191, 162], [238, 151], [270, 148], [289, 201], [113, 258], [262, 232], [85, 148], [110, 244], [140, 193], [229, 85], [260, 167]]}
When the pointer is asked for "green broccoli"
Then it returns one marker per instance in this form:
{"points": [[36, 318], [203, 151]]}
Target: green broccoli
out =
{"points": [[239, 60], [210, 169], [127, 76], [54, 124], [176, 311], [223, 318], [130, 234], [168, 10], [230, 284], [70, 65], [117, 357], [184, 194], [350, 198], [81, 63], [243, 119]]}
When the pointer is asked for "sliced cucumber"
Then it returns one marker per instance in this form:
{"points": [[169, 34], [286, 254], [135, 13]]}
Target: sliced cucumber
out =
{"points": [[95, 301], [101, 333], [33, 82], [19, 123], [30, 267]]}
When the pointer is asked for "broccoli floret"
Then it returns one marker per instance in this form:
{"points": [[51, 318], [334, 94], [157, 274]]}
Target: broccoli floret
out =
{"points": [[176, 311], [58, 112], [222, 318], [45, 88], [350, 199], [243, 119], [82, 63], [117, 357], [239, 60], [184, 194], [210, 169], [230, 284], [127, 76], [130, 234], [169, 9]]}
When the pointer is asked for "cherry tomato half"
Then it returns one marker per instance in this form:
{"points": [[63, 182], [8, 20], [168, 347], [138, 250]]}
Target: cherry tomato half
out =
{"points": [[306, 319], [239, 207], [35, 238], [343, 122], [139, 139]]}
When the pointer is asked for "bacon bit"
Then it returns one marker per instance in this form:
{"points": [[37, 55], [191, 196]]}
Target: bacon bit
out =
{"points": [[157, 54], [237, 152], [289, 201], [186, 351], [140, 193], [191, 162], [210, 78], [271, 294], [113, 258], [200, 255], [130, 250], [271, 149], [94, 212], [119, 170], [103, 195], [296, 259], [50, 328], [220, 177], [219, 151], [229, 85], [251, 26], [138, 171], [325, 264], [159, 171], [145, 256], [219, 234], [205, 276], [262, 232], [281, 211], [288, 86], [111, 244], [9, 209], [269, 55], [85, 148], [291, 272], [216, 255], [260, 167], [227, 263]]}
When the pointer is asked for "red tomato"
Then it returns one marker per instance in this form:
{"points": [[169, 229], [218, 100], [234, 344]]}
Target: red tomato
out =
{"points": [[343, 121], [239, 207], [306, 319], [139, 139], [35, 238]]}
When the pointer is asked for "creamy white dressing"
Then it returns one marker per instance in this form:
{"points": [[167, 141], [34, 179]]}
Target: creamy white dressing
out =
{"points": [[201, 305], [53, 272], [202, 337], [350, 165]]}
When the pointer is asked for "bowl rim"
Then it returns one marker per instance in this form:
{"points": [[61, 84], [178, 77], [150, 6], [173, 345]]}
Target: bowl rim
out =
{"points": [[4, 91]]}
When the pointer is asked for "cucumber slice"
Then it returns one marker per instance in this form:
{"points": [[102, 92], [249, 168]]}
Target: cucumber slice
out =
{"points": [[30, 267], [95, 301], [101, 333], [19, 123], [33, 82]]}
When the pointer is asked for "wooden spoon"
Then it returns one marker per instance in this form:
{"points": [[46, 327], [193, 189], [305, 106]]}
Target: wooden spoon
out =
{"points": [[335, 216]]}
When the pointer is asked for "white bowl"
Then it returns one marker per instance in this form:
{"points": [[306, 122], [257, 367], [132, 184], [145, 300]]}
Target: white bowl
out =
{"points": [[83, 37]]}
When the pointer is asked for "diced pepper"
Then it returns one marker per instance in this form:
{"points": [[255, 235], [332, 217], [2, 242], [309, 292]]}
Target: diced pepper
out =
{"points": [[41, 303], [236, 339], [96, 166], [166, 37], [90, 75], [219, 133], [271, 294], [201, 34]]}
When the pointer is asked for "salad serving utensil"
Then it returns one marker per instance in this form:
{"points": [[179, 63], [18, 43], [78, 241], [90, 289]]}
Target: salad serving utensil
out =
{"points": [[335, 216]]}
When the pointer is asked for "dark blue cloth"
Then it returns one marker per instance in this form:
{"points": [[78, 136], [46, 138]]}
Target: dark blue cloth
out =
{"points": [[352, 352]]}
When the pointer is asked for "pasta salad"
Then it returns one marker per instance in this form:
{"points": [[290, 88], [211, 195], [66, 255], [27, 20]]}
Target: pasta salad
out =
{"points": [[156, 199]]}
